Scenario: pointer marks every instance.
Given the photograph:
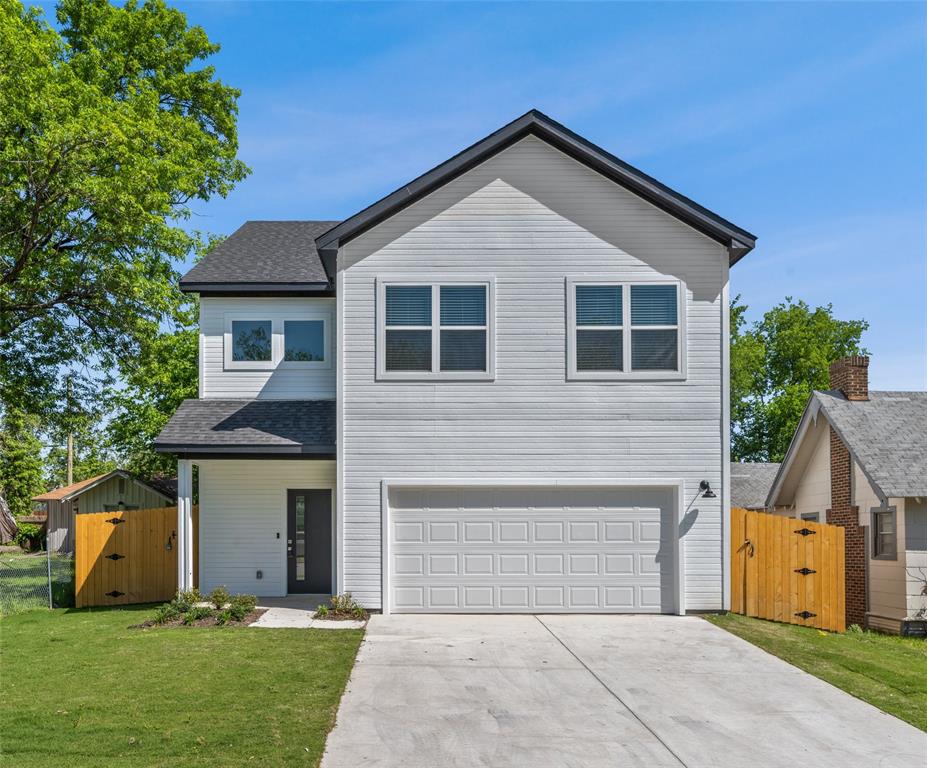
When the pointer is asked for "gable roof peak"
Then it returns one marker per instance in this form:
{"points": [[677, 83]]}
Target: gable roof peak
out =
{"points": [[738, 241]]}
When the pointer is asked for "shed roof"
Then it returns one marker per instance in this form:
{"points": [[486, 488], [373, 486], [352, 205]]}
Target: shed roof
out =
{"points": [[76, 489]]}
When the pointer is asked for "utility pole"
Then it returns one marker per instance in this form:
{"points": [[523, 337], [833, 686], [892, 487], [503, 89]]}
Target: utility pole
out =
{"points": [[70, 438]]}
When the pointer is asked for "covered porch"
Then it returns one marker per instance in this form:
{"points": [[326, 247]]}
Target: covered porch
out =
{"points": [[263, 474]]}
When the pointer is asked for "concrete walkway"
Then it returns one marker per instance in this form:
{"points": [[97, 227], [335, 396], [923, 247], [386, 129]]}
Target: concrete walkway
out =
{"points": [[297, 612], [596, 691]]}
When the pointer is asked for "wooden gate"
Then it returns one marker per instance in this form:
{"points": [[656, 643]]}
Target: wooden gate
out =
{"points": [[128, 556], [787, 570]]}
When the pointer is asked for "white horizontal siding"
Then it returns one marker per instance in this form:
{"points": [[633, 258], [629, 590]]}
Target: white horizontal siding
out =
{"points": [[242, 509], [531, 217], [278, 384]]}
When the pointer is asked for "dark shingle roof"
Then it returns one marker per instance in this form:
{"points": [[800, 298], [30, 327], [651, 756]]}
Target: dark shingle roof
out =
{"points": [[887, 434], [250, 426], [261, 255], [750, 483]]}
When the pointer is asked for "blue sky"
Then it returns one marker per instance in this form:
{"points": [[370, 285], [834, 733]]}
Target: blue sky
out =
{"points": [[804, 123]]}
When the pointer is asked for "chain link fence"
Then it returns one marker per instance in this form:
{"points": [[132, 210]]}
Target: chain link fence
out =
{"points": [[35, 580]]}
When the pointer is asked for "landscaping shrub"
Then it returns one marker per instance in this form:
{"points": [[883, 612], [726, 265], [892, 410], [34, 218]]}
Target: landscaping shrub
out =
{"points": [[196, 613], [167, 612], [219, 597], [223, 617], [241, 605], [184, 601], [344, 607]]}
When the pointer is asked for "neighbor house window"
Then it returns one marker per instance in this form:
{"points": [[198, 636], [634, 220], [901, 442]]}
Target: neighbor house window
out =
{"points": [[278, 340], [252, 340], [434, 330], [811, 517], [625, 330], [884, 536]]}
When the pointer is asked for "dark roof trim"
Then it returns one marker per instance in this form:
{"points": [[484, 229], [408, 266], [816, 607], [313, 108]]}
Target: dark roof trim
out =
{"points": [[253, 289], [239, 451], [738, 241]]}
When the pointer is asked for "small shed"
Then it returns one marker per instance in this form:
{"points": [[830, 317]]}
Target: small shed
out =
{"points": [[109, 492]]}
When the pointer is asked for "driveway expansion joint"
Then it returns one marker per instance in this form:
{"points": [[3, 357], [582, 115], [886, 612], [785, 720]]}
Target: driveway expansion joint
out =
{"points": [[611, 692]]}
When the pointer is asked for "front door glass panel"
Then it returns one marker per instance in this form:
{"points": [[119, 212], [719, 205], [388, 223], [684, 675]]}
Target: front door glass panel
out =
{"points": [[299, 542]]}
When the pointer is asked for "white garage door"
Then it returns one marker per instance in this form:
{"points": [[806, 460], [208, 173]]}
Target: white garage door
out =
{"points": [[582, 550]]}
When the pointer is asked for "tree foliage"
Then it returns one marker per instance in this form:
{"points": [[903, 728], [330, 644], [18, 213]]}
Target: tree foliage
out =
{"points": [[20, 460], [154, 384], [109, 129], [775, 364]]}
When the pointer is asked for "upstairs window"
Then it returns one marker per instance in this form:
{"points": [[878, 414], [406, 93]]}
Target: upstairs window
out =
{"points": [[303, 341], [434, 330], [252, 341], [277, 340], [625, 330]]}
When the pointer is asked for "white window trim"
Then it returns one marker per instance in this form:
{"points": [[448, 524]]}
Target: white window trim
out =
{"points": [[626, 281], [434, 374], [276, 361]]}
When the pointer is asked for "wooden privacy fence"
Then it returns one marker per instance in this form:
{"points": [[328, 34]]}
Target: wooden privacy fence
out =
{"points": [[128, 556], [787, 570]]}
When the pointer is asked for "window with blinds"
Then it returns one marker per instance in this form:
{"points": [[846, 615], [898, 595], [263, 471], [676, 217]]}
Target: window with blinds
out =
{"points": [[620, 329], [435, 329]]}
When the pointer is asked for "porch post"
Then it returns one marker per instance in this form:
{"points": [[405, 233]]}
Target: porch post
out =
{"points": [[184, 524]]}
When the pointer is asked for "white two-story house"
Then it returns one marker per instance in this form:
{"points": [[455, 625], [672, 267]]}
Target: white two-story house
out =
{"points": [[502, 388]]}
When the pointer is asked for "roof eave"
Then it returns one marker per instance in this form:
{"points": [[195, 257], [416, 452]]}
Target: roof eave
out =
{"points": [[201, 449], [738, 241], [265, 288]]}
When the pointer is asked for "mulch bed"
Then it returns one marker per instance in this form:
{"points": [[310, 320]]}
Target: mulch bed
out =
{"points": [[209, 621]]}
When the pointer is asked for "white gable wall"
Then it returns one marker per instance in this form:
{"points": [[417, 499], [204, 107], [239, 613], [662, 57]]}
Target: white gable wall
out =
{"points": [[530, 217], [812, 493]]}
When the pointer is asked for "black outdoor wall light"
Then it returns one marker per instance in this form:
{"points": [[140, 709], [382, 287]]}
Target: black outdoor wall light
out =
{"points": [[705, 488]]}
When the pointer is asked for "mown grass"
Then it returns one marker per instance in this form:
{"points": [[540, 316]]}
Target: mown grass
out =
{"points": [[82, 688], [887, 671]]}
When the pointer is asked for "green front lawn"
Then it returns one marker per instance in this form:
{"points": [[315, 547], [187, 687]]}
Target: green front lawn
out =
{"points": [[80, 688], [887, 671]]}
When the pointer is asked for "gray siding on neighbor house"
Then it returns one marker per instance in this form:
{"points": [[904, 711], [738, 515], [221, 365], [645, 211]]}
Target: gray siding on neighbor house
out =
{"points": [[530, 218]]}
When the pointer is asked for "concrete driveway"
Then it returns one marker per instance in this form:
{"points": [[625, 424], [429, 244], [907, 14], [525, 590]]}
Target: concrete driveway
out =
{"points": [[590, 691]]}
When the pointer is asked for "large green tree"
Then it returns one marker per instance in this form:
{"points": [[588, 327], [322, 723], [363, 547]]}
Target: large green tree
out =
{"points": [[775, 363], [152, 386], [20, 460], [109, 130]]}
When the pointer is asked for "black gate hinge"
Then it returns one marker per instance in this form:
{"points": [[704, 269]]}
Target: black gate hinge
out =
{"points": [[115, 593], [805, 571], [805, 531], [115, 520], [115, 557], [806, 614]]}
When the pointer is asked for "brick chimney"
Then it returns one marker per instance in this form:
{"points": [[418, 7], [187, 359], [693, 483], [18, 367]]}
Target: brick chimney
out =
{"points": [[851, 376]]}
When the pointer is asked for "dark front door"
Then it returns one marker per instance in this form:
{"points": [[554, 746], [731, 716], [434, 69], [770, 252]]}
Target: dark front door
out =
{"points": [[309, 541]]}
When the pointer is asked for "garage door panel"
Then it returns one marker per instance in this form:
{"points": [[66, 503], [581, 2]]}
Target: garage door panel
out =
{"points": [[531, 550]]}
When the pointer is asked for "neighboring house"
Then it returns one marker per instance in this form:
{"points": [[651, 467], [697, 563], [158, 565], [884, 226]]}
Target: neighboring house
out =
{"points": [[108, 492], [859, 459], [503, 387], [750, 483]]}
